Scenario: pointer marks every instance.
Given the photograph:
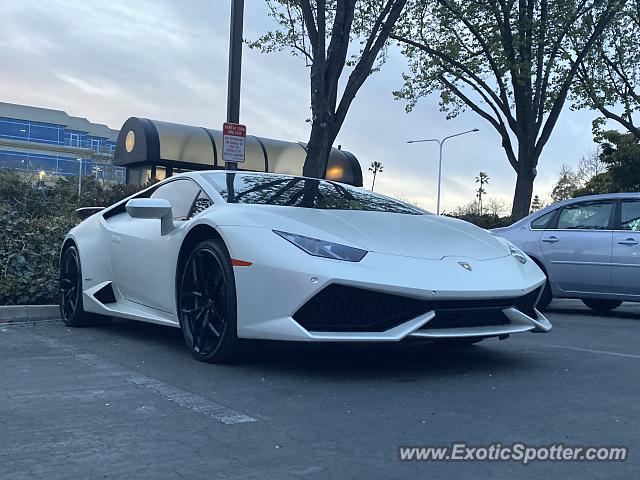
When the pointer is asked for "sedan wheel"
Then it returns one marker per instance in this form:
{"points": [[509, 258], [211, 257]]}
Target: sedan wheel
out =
{"points": [[600, 305], [207, 303]]}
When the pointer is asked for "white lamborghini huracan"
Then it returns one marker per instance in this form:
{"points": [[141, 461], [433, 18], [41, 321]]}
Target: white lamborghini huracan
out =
{"points": [[228, 256]]}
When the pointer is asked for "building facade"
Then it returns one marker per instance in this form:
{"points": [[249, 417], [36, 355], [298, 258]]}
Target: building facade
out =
{"points": [[50, 143]]}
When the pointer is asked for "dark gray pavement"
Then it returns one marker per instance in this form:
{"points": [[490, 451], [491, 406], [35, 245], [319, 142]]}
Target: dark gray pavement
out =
{"points": [[126, 401]]}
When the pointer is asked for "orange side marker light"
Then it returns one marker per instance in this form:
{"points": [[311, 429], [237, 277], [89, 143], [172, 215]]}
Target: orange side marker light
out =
{"points": [[240, 263]]}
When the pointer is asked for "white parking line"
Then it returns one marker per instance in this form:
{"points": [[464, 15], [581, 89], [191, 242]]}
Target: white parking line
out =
{"points": [[173, 394], [591, 350]]}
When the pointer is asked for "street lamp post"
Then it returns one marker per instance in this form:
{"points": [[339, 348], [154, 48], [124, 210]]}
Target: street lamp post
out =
{"points": [[440, 143], [79, 178]]}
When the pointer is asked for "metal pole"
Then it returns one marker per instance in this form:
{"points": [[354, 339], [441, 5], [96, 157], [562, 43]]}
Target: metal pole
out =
{"points": [[439, 177], [440, 145], [80, 179], [235, 67]]}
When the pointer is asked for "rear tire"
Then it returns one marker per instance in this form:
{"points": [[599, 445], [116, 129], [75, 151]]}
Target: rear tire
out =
{"points": [[601, 305], [207, 306], [71, 308]]}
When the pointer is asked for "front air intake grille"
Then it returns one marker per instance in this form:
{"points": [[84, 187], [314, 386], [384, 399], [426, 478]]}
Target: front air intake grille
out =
{"points": [[466, 319], [527, 303], [341, 308], [105, 294]]}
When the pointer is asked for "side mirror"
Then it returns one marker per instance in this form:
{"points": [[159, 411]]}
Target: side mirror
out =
{"points": [[157, 208]]}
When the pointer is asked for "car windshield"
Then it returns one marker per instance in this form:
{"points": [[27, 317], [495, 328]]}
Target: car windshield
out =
{"points": [[285, 190]]}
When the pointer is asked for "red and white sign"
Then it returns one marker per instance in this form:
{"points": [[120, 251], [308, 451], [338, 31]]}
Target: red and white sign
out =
{"points": [[234, 139]]}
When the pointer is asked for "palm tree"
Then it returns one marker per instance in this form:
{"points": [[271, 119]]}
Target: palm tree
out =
{"points": [[482, 179], [376, 167]]}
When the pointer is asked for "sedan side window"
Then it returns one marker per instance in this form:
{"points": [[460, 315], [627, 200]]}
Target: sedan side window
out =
{"points": [[543, 222], [586, 216], [181, 194], [630, 215]]}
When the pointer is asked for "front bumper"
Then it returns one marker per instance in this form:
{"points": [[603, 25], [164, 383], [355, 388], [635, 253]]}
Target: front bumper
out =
{"points": [[282, 280]]}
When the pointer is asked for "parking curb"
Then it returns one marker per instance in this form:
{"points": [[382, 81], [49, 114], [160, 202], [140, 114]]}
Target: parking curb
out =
{"points": [[22, 313]]}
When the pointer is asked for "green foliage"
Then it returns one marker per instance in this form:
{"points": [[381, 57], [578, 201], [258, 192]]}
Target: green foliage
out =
{"points": [[485, 220], [34, 220], [620, 154], [609, 77], [536, 204]]}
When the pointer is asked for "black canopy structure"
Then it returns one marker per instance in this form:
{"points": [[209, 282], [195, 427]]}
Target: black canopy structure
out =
{"points": [[155, 149]]}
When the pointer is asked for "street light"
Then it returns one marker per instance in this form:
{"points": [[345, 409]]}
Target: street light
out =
{"points": [[79, 178], [440, 143]]}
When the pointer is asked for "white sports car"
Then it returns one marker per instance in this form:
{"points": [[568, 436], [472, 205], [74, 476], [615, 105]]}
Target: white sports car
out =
{"points": [[228, 256]]}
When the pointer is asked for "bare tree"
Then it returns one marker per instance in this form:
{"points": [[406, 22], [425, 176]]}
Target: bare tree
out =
{"points": [[589, 166], [322, 32], [495, 206], [511, 62], [567, 184]]}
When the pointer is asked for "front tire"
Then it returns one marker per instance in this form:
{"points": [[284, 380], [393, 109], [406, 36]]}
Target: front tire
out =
{"points": [[207, 306], [601, 305], [71, 308]]}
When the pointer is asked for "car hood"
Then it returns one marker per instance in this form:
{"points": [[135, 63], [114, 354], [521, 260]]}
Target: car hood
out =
{"points": [[423, 236]]}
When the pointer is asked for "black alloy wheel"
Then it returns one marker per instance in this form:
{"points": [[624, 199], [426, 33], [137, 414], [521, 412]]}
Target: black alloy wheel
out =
{"points": [[207, 303], [71, 309]]}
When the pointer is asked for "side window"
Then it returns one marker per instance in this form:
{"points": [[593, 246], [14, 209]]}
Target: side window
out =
{"points": [[630, 215], [586, 216], [181, 194], [201, 204], [543, 222]]}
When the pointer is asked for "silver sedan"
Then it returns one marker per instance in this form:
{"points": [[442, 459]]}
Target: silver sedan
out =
{"points": [[589, 248]]}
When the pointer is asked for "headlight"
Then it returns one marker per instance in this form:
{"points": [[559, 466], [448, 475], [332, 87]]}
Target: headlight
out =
{"points": [[321, 248], [517, 253]]}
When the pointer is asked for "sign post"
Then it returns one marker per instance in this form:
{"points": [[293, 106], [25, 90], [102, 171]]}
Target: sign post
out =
{"points": [[234, 139], [235, 69]]}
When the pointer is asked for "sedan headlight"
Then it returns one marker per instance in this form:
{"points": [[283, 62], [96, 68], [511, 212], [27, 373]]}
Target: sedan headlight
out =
{"points": [[322, 248], [517, 253]]}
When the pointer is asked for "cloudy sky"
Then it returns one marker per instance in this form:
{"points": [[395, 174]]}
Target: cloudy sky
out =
{"points": [[108, 60]]}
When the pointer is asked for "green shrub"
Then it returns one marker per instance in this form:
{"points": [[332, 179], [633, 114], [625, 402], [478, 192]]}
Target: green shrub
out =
{"points": [[485, 221], [34, 219]]}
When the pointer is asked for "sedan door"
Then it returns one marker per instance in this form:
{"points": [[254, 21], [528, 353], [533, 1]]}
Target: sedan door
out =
{"points": [[625, 275], [143, 261], [577, 249]]}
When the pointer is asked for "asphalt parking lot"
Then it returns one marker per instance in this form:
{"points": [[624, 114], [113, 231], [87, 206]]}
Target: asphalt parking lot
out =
{"points": [[127, 401]]}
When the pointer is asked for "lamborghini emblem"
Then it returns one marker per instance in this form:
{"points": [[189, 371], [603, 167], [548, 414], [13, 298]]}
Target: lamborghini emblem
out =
{"points": [[465, 265]]}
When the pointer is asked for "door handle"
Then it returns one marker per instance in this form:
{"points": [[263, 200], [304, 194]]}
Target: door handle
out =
{"points": [[551, 239], [116, 239], [628, 241]]}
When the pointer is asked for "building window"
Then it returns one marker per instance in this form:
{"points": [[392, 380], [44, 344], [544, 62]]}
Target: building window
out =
{"points": [[14, 129], [74, 139], [43, 133]]}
